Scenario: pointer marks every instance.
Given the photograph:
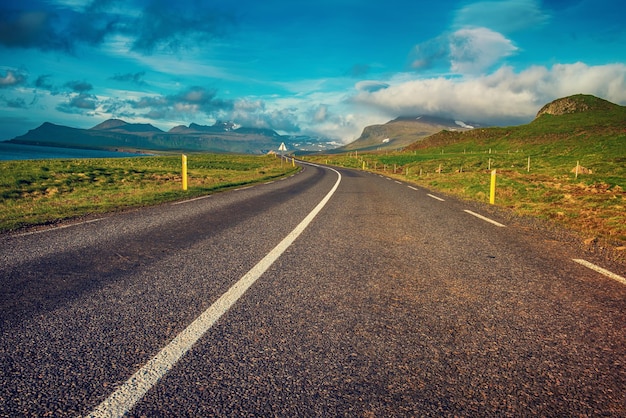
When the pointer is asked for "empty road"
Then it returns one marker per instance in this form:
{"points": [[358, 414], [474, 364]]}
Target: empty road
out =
{"points": [[329, 293]]}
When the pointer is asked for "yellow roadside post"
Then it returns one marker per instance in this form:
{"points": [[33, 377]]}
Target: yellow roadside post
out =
{"points": [[184, 172], [492, 190]]}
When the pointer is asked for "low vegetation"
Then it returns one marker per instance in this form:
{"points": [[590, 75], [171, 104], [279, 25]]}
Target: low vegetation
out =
{"points": [[44, 191]]}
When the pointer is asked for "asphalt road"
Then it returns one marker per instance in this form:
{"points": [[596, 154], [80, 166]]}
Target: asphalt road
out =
{"points": [[393, 301]]}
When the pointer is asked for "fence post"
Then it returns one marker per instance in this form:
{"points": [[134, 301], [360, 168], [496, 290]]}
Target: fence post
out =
{"points": [[492, 189]]}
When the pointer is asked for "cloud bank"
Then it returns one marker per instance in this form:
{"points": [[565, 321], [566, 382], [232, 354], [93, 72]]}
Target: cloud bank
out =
{"points": [[502, 97]]}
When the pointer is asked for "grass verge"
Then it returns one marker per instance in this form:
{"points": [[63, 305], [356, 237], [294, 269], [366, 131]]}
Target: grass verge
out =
{"points": [[36, 192], [540, 181]]}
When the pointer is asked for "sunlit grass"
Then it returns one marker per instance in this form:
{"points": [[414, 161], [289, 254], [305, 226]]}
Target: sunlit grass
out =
{"points": [[42, 191]]}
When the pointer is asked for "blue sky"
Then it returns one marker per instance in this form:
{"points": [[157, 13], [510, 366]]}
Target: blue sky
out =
{"points": [[326, 67]]}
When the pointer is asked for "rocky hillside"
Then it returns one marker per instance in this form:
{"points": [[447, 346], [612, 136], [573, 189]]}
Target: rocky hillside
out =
{"points": [[576, 104]]}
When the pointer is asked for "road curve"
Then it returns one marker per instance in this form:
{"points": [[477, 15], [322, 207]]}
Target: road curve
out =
{"points": [[393, 301]]}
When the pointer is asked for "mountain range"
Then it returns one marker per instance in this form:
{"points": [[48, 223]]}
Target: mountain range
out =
{"points": [[116, 134], [407, 132]]}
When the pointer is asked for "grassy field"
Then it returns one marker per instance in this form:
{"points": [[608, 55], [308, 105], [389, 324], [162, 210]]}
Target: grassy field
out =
{"points": [[536, 172], [45, 191]]}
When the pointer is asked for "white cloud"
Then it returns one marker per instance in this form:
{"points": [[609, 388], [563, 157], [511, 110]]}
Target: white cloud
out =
{"points": [[12, 78], [474, 50], [321, 113], [466, 51], [503, 97]]}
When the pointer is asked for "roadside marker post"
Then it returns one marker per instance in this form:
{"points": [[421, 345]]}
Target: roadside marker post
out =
{"points": [[492, 189], [184, 172]]}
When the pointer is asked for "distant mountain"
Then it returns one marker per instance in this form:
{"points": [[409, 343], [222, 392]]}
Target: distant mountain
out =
{"points": [[403, 131], [117, 125], [116, 134], [194, 128]]}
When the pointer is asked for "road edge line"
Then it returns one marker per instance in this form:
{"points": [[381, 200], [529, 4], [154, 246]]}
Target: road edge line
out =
{"points": [[600, 270], [484, 218], [435, 197]]}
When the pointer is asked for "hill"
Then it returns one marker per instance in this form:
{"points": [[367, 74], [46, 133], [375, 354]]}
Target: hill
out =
{"points": [[116, 134], [580, 117], [579, 103], [401, 132]]}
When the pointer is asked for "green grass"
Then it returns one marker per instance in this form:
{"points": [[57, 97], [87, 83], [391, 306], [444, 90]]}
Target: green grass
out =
{"points": [[45, 191]]}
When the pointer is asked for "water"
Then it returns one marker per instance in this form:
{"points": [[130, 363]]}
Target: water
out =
{"points": [[9, 151]]}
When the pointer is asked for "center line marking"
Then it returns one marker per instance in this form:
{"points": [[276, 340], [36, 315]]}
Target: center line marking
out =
{"points": [[435, 197], [413, 188], [484, 218], [600, 270], [128, 394]]}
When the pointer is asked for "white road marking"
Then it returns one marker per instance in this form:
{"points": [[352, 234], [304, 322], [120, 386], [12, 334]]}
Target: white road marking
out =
{"points": [[243, 188], [600, 270], [191, 200], [268, 182], [57, 227], [399, 182], [435, 197], [484, 218], [128, 394], [411, 187]]}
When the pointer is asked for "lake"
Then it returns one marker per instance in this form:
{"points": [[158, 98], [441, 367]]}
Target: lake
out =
{"points": [[9, 151]]}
